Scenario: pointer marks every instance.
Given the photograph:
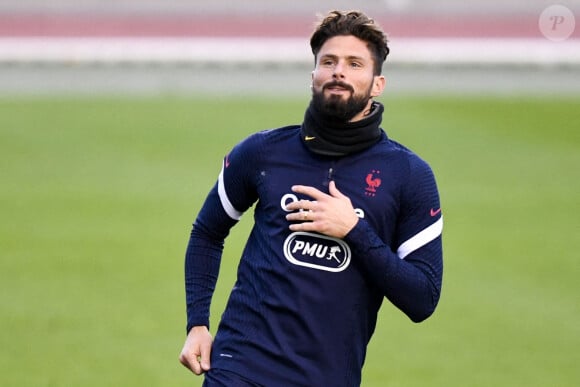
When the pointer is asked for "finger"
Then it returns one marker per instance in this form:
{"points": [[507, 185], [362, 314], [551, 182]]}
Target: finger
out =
{"points": [[300, 216], [190, 361], [195, 366], [205, 357], [309, 191], [334, 191], [304, 226], [300, 205], [183, 360]]}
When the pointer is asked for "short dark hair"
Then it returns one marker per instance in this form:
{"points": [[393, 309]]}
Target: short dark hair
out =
{"points": [[355, 23]]}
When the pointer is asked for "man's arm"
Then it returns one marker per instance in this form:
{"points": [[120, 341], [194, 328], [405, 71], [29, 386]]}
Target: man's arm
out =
{"points": [[202, 261], [232, 195], [412, 284]]}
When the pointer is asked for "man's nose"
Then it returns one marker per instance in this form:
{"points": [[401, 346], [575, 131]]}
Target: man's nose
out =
{"points": [[338, 70]]}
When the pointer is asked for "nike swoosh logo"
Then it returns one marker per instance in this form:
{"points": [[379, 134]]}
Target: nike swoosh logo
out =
{"points": [[435, 212], [309, 138]]}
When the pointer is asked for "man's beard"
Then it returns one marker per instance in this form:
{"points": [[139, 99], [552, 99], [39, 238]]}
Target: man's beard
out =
{"points": [[335, 107]]}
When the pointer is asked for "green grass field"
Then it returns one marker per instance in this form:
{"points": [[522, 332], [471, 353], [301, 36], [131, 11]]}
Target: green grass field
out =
{"points": [[98, 195]]}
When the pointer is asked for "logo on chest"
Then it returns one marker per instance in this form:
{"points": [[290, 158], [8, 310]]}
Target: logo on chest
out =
{"points": [[317, 251], [373, 182]]}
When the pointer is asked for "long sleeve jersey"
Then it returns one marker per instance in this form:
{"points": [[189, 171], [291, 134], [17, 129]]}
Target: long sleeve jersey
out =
{"points": [[304, 305]]}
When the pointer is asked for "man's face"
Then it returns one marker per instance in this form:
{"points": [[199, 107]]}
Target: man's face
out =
{"points": [[342, 81]]}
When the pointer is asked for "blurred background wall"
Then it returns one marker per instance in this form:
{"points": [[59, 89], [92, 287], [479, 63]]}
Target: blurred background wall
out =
{"points": [[260, 46]]}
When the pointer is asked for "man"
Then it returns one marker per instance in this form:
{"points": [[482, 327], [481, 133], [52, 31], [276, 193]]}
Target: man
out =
{"points": [[344, 217]]}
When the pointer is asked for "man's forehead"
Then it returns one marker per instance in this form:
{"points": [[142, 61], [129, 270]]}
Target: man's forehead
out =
{"points": [[345, 46]]}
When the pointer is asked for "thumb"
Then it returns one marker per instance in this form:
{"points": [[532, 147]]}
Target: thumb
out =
{"points": [[205, 352], [333, 191]]}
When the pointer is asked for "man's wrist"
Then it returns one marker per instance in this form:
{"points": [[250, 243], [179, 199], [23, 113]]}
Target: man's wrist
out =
{"points": [[195, 324]]}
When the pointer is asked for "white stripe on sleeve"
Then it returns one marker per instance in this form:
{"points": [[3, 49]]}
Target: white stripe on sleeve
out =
{"points": [[226, 204], [421, 239]]}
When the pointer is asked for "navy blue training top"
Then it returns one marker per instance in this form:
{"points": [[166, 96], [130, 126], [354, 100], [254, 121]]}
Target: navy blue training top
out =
{"points": [[304, 305]]}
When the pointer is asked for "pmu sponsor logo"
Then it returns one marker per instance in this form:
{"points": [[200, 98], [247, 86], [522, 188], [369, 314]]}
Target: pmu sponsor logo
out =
{"points": [[317, 251]]}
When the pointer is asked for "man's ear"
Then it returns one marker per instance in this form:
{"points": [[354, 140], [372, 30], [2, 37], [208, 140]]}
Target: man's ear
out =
{"points": [[379, 83]]}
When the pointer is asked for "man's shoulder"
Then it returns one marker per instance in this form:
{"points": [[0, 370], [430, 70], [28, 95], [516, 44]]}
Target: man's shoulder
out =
{"points": [[271, 137], [408, 158], [278, 133], [397, 149]]}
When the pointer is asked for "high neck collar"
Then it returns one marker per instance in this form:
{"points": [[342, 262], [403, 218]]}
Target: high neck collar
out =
{"points": [[333, 138]]}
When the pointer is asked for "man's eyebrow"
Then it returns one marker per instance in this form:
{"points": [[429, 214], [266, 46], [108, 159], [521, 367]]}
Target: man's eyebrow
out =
{"points": [[355, 57], [331, 56], [349, 57]]}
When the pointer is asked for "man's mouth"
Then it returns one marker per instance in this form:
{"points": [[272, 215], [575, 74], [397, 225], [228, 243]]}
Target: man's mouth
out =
{"points": [[338, 87]]}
